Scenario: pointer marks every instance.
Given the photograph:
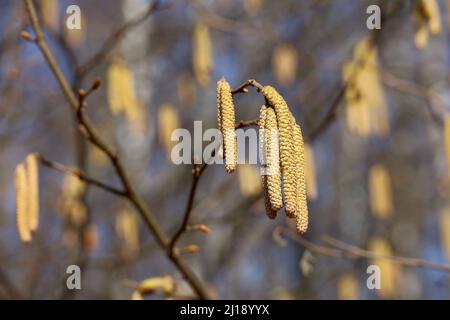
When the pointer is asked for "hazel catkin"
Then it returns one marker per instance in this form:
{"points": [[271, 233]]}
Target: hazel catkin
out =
{"points": [[226, 119], [33, 190], [273, 175], [22, 218], [286, 148], [299, 155]]}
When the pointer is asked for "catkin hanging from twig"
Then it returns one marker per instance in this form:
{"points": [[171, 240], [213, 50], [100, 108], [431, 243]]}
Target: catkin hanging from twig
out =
{"points": [[302, 214], [286, 148], [271, 213], [272, 161], [292, 159], [20, 183], [226, 119], [33, 190]]}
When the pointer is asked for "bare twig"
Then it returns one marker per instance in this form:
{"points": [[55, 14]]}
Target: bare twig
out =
{"points": [[81, 175], [93, 137], [197, 172], [412, 262], [434, 100], [243, 88], [348, 251]]}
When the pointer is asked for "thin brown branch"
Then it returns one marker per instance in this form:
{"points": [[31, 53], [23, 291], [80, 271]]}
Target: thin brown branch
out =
{"points": [[80, 175], [434, 100], [243, 88], [412, 262], [89, 132], [348, 251], [197, 172], [114, 39]]}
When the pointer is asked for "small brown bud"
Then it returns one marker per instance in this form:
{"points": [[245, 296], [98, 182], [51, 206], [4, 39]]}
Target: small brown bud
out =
{"points": [[193, 248], [97, 83], [81, 93], [26, 36]]}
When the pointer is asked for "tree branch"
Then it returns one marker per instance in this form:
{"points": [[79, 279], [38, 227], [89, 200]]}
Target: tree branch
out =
{"points": [[81, 175], [87, 129], [348, 251]]}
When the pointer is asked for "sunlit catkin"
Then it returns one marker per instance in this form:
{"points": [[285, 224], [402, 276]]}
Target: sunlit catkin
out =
{"points": [[366, 106], [380, 192], [273, 173], [127, 228], [300, 178], [444, 223], [226, 119], [202, 54], [168, 121], [447, 141], [22, 217], [347, 287], [284, 63], [164, 284], [50, 14], [389, 271], [285, 129], [122, 97], [310, 173], [271, 213], [31, 164], [249, 180], [427, 19]]}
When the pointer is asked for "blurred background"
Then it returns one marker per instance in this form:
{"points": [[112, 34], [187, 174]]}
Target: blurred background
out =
{"points": [[372, 105]]}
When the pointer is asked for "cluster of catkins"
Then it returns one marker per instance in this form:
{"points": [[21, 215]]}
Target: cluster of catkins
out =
{"points": [[281, 146]]}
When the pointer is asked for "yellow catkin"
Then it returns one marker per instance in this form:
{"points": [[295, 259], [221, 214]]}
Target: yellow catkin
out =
{"points": [[447, 141], [114, 88], [366, 106], [427, 20], [347, 287], [226, 119], [31, 163], [300, 167], [271, 213], [273, 171], [286, 130], [444, 223], [389, 271], [127, 228], [310, 172], [50, 14], [77, 213], [284, 63], [69, 201], [249, 180], [431, 9], [122, 96], [202, 54], [21, 187], [380, 192], [168, 121], [165, 285]]}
